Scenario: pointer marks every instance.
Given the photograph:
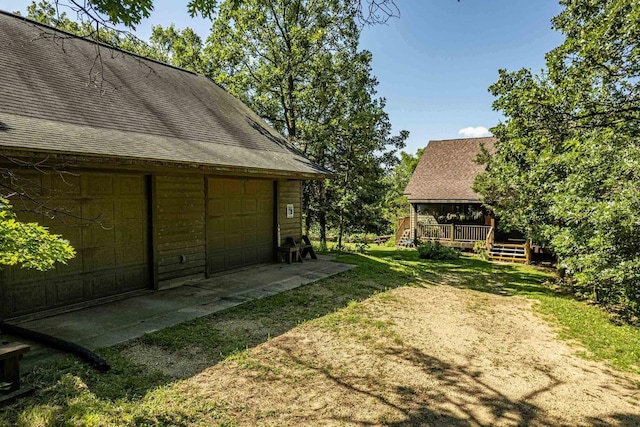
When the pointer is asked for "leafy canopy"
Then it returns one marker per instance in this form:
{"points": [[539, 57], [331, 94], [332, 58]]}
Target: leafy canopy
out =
{"points": [[131, 12], [396, 180], [28, 244], [567, 170], [297, 64]]}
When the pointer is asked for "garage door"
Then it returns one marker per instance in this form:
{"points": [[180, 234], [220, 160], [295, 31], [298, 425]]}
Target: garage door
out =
{"points": [[105, 217], [240, 224]]}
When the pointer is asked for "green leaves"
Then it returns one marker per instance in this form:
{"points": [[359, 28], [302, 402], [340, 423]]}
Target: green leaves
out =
{"points": [[206, 8], [181, 48], [434, 250], [566, 171], [297, 64], [127, 12], [29, 244], [132, 12], [396, 204]]}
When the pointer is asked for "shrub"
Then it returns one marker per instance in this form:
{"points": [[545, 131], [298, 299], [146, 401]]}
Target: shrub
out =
{"points": [[481, 249], [434, 250], [361, 247]]}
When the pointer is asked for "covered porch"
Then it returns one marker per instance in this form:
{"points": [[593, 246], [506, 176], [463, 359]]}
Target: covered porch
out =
{"points": [[455, 235], [463, 226], [445, 208], [463, 236], [457, 223]]}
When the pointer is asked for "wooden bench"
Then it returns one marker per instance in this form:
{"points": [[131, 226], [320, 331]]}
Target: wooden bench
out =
{"points": [[307, 248], [298, 251], [289, 252], [10, 355]]}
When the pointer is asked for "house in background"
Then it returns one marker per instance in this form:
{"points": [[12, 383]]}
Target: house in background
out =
{"points": [[155, 174], [445, 208]]}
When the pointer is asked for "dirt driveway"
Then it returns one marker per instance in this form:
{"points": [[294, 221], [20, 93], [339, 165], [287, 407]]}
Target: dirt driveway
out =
{"points": [[435, 355]]}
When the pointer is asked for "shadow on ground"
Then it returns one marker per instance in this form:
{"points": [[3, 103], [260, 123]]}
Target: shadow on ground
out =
{"points": [[474, 273], [458, 396], [70, 390]]}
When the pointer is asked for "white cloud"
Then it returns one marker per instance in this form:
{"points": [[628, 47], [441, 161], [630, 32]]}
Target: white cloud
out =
{"points": [[474, 132]]}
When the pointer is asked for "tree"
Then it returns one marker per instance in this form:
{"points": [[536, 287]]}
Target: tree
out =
{"points": [[396, 203], [181, 48], [272, 54], [130, 13], [566, 171], [362, 151], [28, 244], [297, 64]]}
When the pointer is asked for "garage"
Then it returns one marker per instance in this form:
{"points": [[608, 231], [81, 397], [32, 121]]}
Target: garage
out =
{"points": [[240, 222], [105, 217], [157, 182]]}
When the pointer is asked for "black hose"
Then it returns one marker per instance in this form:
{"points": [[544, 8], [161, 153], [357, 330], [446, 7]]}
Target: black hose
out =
{"points": [[83, 353]]}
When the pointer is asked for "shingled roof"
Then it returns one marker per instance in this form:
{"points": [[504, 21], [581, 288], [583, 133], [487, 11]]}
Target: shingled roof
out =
{"points": [[58, 96], [446, 171]]}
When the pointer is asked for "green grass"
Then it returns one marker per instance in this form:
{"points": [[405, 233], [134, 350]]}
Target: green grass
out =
{"points": [[277, 314], [357, 321], [591, 328], [579, 322], [70, 393]]}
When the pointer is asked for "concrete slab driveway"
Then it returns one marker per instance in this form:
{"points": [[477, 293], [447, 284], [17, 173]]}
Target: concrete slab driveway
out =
{"points": [[119, 321]]}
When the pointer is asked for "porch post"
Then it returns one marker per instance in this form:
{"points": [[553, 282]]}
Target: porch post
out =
{"points": [[413, 220], [412, 230], [453, 232]]}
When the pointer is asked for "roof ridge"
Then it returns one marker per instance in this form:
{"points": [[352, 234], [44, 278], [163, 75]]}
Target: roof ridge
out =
{"points": [[446, 170], [55, 97], [463, 139]]}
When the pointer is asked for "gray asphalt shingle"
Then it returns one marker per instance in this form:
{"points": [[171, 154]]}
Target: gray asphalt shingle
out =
{"points": [[447, 169], [57, 95]]}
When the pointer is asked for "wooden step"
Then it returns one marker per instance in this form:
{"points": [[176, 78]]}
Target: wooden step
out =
{"points": [[514, 252], [508, 252], [406, 241], [507, 259]]}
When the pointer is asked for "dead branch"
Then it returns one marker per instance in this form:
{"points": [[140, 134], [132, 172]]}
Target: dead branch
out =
{"points": [[33, 197]]}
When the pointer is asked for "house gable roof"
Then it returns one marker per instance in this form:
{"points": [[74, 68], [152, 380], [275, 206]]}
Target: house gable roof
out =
{"points": [[446, 171], [63, 94]]}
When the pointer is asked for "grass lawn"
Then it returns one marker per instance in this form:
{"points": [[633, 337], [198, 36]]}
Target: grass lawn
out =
{"points": [[196, 373]]}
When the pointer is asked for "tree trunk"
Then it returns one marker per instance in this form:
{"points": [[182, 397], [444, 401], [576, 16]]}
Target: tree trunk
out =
{"points": [[322, 215], [322, 220], [307, 222], [346, 192], [341, 229], [291, 107]]}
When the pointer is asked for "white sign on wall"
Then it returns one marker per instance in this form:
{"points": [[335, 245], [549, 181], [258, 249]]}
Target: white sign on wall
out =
{"points": [[289, 211]]}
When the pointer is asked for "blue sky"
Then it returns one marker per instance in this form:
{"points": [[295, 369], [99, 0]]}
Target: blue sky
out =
{"points": [[435, 63]]}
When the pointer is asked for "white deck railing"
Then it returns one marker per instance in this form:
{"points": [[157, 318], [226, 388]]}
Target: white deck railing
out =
{"points": [[453, 232]]}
